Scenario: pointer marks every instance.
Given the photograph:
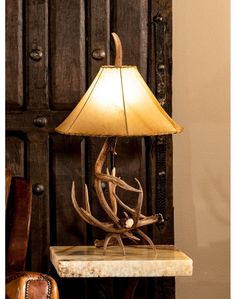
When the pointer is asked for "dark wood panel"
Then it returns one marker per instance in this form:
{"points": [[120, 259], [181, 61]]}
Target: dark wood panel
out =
{"points": [[36, 53], [67, 156], [67, 165], [67, 50], [37, 172], [165, 189], [159, 149], [98, 35], [160, 52], [159, 187], [15, 154], [159, 80], [150, 154], [14, 48], [25, 121], [129, 19]]}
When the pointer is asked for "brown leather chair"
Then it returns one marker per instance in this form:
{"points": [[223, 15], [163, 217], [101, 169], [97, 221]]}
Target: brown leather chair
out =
{"points": [[21, 284]]}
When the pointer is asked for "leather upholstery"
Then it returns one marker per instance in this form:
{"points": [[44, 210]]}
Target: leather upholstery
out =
{"points": [[31, 285], [8, 183], [21, 284], [18, 224]]}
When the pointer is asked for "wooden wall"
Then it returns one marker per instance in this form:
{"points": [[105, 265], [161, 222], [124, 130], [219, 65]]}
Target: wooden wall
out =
{"points": [[53, 51]]}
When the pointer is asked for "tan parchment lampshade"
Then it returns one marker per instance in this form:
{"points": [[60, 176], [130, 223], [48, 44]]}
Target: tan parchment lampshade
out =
{"points": [[118, 103]]}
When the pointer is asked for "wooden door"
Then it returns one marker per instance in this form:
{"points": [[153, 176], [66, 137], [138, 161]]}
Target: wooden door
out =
{"points": [[53, 51]]}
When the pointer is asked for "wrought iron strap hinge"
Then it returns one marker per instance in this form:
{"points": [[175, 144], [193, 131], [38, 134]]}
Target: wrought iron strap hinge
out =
{"points": [[161, 177], [160, 28], [159, 25]]}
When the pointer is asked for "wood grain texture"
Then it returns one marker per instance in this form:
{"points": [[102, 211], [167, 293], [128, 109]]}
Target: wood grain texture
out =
{"points": [[67, 165], [14, 58], [159, 153], [129, 20], [37, 171], [36, 38], [98, 35], [26, 120], [160, 49], [67, 53], [15, 153]]}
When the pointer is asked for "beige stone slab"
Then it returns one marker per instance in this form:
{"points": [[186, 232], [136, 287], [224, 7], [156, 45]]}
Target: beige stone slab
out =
{"points": [[139, 261]]}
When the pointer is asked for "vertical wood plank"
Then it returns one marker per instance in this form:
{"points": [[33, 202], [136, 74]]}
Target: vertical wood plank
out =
{"points": [[160, 15], [67, 53], [67, 165], [160, 51], [14, 59], [37, 171], [159, 149], [129, 19], [36, 35], [98, 36], [15, 155]]}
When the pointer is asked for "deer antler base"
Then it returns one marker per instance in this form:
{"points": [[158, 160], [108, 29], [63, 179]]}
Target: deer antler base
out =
{"points": [[117, 228]]}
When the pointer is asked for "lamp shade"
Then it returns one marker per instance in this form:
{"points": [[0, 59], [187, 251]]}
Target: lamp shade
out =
{"points": [[118, 103]]}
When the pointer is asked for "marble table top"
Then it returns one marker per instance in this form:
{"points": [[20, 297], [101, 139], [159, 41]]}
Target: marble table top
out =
{"points": [[139, 261]]}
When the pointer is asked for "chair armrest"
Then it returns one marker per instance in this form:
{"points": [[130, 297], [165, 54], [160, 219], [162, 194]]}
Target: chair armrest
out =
{"points": [[8, 185], [31, 285], [18, 224]]}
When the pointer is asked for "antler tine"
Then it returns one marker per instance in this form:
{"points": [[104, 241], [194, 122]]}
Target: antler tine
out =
{"points": [[148, 220], [115, 180], [107, 146], [139, 205], [112, 188], [130, 236], [75, 204], [103, 202], [108, 227], [115, 236], [115, 228], [86, 195], [149, 240], [127, 208], [87, 216]]}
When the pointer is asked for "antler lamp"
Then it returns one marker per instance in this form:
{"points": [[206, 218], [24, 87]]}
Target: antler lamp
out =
{"points": [[117, 103]]}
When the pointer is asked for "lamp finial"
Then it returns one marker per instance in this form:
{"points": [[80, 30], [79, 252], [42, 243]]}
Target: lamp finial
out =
{"points": [[118, 46]]}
